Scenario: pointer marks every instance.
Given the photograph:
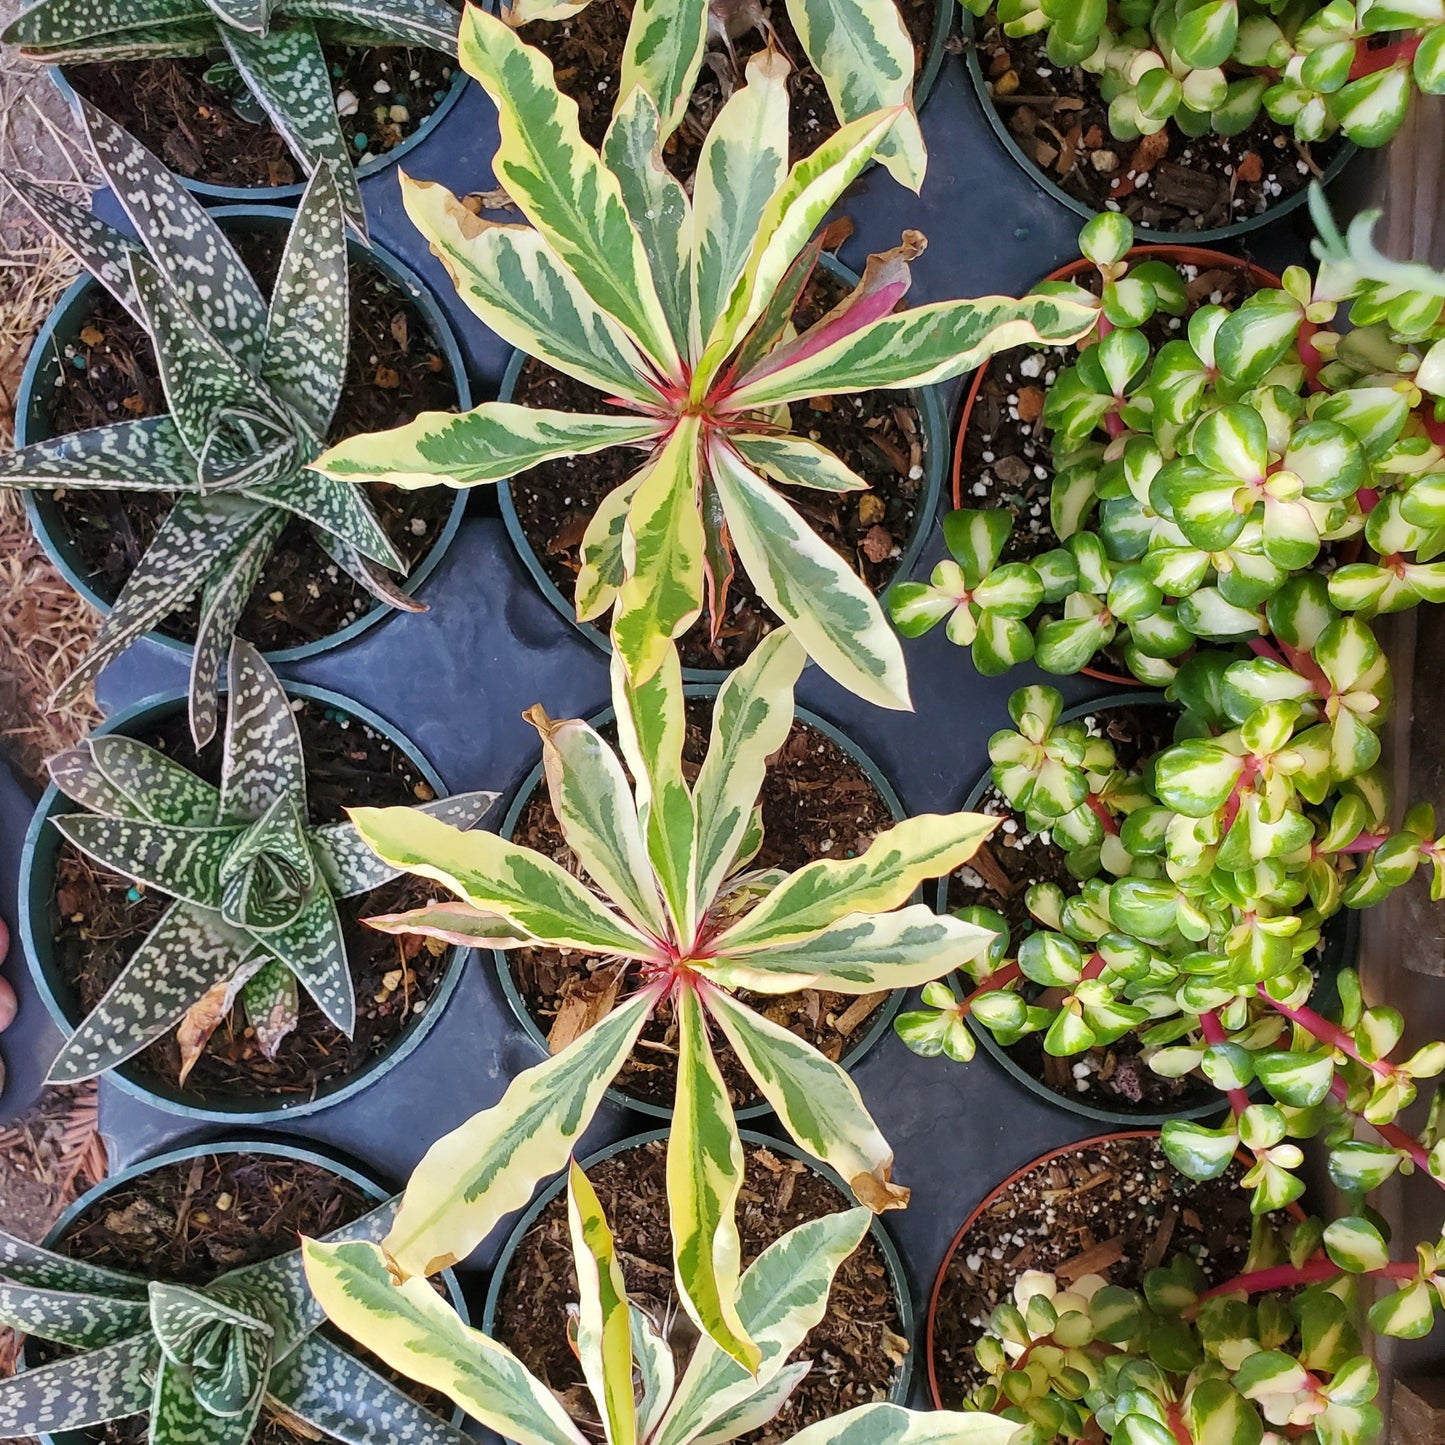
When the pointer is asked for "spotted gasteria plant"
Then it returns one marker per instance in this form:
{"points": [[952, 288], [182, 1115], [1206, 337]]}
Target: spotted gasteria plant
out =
{"points": [[1318, 66], [674, 898], [272, 50], [202, 1362], [678, 309], [255, 884], [860, 48], [1273, 1354], [638, 1395], [251, 388]]}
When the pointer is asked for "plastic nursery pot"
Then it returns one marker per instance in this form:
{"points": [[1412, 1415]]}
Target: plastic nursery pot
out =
{"points": [[987, 1203], [1235, 229], [32, 424], [255, 1147], [897, 1276], [928, 401], [1204, 259], [618, 1095], [37, 887], [1341, 942]]}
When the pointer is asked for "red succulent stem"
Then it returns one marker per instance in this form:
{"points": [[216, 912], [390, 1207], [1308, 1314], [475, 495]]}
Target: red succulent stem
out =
{"points": [[1261, 648], [1326, 1032], [1369, 61], [1365, 843], [1368, 498], [1310, 356], [1288, 1276], [1114, 424], [1435, 430], [1102, 814], [1095, 966], [1177, 1428], [1000, 978], [1392, 1134]]}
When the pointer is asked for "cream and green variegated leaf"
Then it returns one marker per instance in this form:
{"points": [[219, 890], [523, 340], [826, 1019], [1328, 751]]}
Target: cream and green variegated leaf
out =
{"points": [[250, 391], [251, 879], [893, 1425], [798, 462], [457, 923], [656, 1372], [759, 1408], [663, 55]]}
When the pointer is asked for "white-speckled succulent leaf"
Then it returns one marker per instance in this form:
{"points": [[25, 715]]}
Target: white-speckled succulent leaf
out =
{"points": [[180, 237], [349, 1402], [183, 863], [251, 16], [309, 324], [182, 1318], [340, 508], [365, 573], [179, 1418], [224, 597], [154, 783], [197, 531], [66, 24], [263, 758], [432, 23], [89, 1389], [100, 248], [314, 950], [84, 1321], [350, 867], [132, 456], [152, 42], [272, 1004], [77, 775], [287, 72], [269, 872], [188, 952], [221, 1353], [41, 1268]]}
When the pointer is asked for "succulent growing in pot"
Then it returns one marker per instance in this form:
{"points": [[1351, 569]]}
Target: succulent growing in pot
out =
{"points": [[678, 309], [251, 389], [255, 884], [680, 905], [274, 53], [783, 1294]]}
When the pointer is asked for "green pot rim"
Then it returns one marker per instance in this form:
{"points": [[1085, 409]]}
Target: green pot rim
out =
{"points": [[928, 400], [1339, 953], [37, 865], [274, 1148], [897, 1274], [31, 426], [1199, 238], [616, 1095]]}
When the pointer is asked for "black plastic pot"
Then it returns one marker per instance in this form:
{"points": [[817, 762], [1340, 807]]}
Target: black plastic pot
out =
{"points": [[881, 1020], [32, 425], [1341, 943], [256, 1146], [37, 885], [897, 1277]]}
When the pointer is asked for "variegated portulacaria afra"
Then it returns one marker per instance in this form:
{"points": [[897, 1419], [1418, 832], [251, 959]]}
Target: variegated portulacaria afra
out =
{"points": [[200, 1360], [274, 49], [676, 901], [251, 390], [678, 307], [255, 884], [627, 1359]]}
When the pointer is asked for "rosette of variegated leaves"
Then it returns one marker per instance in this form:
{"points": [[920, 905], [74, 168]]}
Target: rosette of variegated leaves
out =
{"points": [[645, 1384], [251, 388], [255, 883], [201, 1361], [1206, 876], [667, 893], [267, 53], [1214, 65], [677, 306], [1273, 1354]]}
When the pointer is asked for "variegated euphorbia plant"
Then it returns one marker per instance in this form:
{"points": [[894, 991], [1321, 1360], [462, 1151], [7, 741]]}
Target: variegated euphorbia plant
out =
{"points": [[251, 388], [273, 49], [641, 1392], [860, 48], [674, 899], [205, 1363], [678, 308], [255, 884]]}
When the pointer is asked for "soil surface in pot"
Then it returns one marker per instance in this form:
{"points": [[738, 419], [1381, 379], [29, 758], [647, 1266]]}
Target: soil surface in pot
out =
{"points": [[1115, 1208], [196, 1219], [192, 125], [1114, 1076], [1169, 182], [395, 370], [817, 803], [587, 54], [877, 433], [97, 925], [857, 1347]]}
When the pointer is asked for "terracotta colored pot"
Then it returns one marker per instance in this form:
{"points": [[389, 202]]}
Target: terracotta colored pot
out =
{"points": [[1294, 1211], [1181, 255]]}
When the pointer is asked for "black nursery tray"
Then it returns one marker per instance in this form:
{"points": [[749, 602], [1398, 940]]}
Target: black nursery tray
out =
{"points": [[457, 679]]}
